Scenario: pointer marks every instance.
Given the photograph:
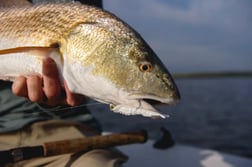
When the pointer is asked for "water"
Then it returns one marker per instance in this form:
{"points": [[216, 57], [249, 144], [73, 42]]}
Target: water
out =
{"points": [[213, 113]]}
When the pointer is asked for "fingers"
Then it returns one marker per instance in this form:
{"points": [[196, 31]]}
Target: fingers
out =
{"points": [[46, 89], [53, 87], [19, 87], [29, 87], [51, 82], [71, 98], [34, 86]]}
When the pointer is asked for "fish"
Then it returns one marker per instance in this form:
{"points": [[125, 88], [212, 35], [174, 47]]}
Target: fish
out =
{"points": [[97, 54]]}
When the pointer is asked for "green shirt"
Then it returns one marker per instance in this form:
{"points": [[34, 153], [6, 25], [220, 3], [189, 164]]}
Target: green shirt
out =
{"points": [[17, 112]]}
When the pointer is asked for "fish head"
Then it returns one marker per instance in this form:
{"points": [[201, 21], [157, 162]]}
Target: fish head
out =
{"points": [[110, 62], [143, 78], [147, 77]]}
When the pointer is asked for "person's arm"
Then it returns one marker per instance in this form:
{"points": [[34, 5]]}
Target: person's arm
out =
{"points": [[45, 89]]}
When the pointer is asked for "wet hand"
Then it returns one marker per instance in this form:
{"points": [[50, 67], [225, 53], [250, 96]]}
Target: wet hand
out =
{"points": [[46, 89]]}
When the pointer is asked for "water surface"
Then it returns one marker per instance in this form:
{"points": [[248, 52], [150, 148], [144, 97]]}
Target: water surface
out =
{"points": [[213, 113]]}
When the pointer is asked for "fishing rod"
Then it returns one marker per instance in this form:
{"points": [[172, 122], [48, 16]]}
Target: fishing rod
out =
{"points": [[72, 146]]}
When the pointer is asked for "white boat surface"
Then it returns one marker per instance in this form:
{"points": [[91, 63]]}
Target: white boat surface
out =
{"points": [[180, 156]]}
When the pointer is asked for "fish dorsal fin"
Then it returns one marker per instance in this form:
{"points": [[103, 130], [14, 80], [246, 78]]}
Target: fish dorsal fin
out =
{"points": [[11, 3]]}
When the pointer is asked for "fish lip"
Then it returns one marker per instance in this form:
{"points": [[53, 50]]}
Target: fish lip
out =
{"points": [[155, 100]]}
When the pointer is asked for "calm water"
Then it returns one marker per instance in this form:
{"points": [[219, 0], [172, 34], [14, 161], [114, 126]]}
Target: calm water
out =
{"points": [[213, 113]]}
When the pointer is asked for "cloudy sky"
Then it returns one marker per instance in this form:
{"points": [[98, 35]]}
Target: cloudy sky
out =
{"points": [[193, 35]]}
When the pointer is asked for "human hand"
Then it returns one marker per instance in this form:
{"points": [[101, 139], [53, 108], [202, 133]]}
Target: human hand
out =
{"points": [[46, 89]]}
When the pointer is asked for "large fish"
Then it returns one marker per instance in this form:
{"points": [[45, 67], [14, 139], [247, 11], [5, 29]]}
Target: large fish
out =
{"points": [[97, 54]]}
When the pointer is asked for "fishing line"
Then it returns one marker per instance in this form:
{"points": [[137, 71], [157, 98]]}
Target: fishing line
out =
{"points": [[79, 106], [57, 113]]}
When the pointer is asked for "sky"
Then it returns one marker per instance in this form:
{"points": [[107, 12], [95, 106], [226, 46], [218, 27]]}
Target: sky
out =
{"points": [[193, 35]]}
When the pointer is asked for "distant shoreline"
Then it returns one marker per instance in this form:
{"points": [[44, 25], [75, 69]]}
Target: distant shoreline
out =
{"points": [[213, 75]]}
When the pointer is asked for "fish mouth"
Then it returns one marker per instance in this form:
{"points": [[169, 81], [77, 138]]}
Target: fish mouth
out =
{"points": [[143, 105], [153, 102], [156, 100]]}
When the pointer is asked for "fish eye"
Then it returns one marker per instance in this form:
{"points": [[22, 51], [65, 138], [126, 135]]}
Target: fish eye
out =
{"points": [[145, 67], [111, 107]]}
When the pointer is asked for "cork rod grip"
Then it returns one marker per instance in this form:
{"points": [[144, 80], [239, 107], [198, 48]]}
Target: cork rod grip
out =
{"points": [[95, 142]]}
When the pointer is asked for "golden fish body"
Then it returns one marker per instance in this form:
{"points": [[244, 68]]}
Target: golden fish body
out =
{"points": [[97, 54]]}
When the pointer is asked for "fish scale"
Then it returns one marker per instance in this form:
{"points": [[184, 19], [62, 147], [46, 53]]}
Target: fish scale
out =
{"points": [[97, 54], [47, 23]]}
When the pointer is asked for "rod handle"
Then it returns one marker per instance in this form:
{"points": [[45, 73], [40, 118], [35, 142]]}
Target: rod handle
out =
{"points": [[95, 142]]}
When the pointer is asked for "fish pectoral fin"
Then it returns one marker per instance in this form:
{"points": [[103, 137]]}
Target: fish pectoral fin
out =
{"points": [[36, 51], [26, 49]]}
